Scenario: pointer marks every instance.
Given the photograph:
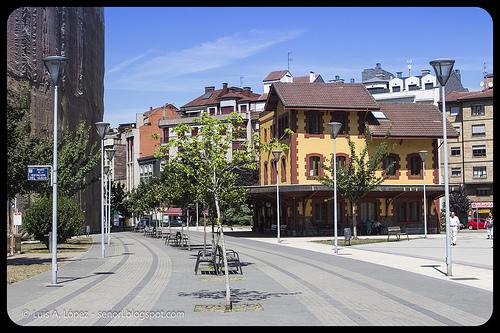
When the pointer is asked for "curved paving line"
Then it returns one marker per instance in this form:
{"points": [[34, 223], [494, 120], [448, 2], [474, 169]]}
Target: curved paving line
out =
{"points": [[137, 289], [381, 292], [77, 292]]}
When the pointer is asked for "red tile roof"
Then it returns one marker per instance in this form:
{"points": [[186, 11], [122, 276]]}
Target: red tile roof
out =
{"points": [[301, 79], [411, 120], [455, 96], [324, 95], [232, 92], [276, 75]]}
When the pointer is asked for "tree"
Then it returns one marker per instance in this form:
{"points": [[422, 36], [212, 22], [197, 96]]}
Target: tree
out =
{"points": [[204, 159], [119, 199], [38, 219], [76, 158], [460, 204], [358, 178]]}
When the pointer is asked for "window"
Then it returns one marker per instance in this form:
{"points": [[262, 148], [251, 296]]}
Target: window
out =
{"points": [[212, 111], [479, 151], [456, 172], [479, 172], [477, 110], [314, 162], [265, 173], [282, 125], [265, 135], [194, 131], [402, 211], [415, 165], [414, 211], [428, 86], [455, 151], [390, 165], [314, 123], [412, 87], [273, 171], [396, 89], [320, 212], [457, 128], [340, 117], [482, 192], [478, 130], [341, 161], [454, 110], [283, 170], [243, 108]]}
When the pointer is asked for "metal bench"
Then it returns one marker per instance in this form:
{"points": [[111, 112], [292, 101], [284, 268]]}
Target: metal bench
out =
{"points": [[231, 257], [207, 256], [274, 228], [396, 230]]}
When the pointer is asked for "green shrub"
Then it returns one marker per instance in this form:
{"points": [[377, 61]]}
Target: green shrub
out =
{"points": [[38, 219]]}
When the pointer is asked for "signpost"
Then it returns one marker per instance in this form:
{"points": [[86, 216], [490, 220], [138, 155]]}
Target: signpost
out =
{"points": [[39, 172]]}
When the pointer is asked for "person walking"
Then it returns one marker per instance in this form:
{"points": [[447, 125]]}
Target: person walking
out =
{"points": [[455, 226], [489, 226]]}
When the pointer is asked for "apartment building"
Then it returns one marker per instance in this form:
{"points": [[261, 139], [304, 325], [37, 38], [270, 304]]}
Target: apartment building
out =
{"points": [[471, 155]]}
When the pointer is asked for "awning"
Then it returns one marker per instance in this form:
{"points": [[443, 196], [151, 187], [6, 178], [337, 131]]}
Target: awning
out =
{"points": [[174, 211]]}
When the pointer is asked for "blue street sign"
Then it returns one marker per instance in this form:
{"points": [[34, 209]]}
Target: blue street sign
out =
{"points": [[38, 173]]}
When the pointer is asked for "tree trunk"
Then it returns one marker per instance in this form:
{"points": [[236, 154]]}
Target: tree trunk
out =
{"points": [[354, 229], [229, 304], [10, 228]]}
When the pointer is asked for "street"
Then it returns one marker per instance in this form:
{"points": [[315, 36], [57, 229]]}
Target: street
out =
{"points": [[144, 282]]}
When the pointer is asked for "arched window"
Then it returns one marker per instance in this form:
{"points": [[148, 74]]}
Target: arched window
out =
{"points": [[391, 166], [314, 166], [265, 173], [283, 169], [414, 163]]}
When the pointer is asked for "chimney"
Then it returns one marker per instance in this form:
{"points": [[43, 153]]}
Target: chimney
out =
{"points": [[247, 91], [399, 75], [352, 80], [378, 66], [337, 77], [208, 89], [425, 72], [150, 108], [224, 88], [312, 76]]}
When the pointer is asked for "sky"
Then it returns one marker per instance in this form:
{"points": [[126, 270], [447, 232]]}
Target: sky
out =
{"points": [[158, 55]]}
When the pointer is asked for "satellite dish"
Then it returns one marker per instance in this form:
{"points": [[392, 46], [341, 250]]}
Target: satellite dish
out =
{"points": [[490, 84]]}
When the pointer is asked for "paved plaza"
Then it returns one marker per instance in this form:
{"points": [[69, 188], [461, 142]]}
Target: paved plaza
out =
{"points": [[297, 282]]}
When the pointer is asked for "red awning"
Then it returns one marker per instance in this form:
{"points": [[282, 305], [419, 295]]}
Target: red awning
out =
{"points": [[174, 211]]}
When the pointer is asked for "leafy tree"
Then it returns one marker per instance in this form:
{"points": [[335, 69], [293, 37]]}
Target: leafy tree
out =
{"points": [[205, 165], [358, 178], [76, 158], [119, 199], [38, 219], [460, 204]]}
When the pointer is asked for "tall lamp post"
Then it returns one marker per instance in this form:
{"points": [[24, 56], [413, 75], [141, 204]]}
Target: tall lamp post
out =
{"points": [[277, 154], [443, 68], [53, 64], [423, 156], [110, 153], [102, 128], [335, 128], [106, 196]]}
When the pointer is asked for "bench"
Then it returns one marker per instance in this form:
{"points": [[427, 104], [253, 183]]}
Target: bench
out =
{"points": [[274, 227], [207, 256], [397, 232], [231, 257]]}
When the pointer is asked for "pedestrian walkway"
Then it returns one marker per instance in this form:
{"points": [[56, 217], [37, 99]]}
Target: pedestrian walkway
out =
{"points": [[472, 258]]}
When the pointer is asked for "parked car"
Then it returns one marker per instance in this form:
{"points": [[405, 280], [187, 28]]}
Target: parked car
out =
{"points": [[176, 222], [476, 223]]}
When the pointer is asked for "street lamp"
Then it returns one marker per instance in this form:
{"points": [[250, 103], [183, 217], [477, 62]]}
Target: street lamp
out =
{"points": [[423, 156], [277, 154], [53, 64], [110, 153], [443, 68], [102, 128], [335, 128]]}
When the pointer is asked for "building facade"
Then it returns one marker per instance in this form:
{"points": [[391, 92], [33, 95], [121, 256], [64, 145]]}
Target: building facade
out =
{"points": [[471, 156], [306, 206]]}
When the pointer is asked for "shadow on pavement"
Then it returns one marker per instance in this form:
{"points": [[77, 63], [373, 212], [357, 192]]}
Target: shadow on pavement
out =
{"points": [[237, 295]]}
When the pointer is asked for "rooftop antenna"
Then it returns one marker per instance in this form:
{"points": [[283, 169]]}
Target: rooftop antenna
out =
{"points": [[484, 68], [409, 62], [289, 59], [241, 81]]}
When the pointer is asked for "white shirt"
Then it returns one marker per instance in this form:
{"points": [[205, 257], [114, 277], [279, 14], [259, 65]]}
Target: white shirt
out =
{"points": [[454, 221]]}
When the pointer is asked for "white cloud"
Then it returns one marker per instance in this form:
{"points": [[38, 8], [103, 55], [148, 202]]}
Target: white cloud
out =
{"points": [[159, 71]]}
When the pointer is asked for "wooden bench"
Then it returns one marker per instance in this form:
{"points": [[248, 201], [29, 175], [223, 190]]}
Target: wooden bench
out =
{"points": [[396, 230]]}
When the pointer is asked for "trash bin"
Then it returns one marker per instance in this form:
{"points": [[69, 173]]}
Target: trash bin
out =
{"points": [[347, 236], [17, 243]]}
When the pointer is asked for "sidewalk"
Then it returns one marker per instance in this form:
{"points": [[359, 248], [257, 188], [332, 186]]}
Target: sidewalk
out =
{"points": [[472, 258]]}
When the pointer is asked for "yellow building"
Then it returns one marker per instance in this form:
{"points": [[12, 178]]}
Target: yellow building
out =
{"points": [[306, 206]]}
